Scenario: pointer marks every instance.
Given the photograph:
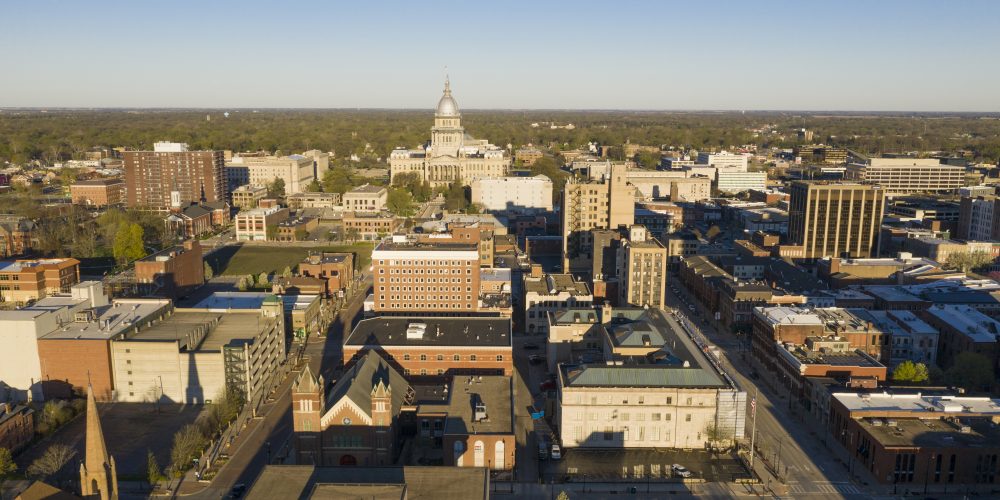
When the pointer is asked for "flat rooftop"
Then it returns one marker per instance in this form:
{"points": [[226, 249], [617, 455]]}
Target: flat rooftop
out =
{"points": [[918, 405], [431, 331], [17, 266], [109, 321], [891, 293], [977, 326], [840, 359], [687, 366], [787, 315], [410, 245], [554, 284], [932, 433], [573, 315], [465, 393], [223, 301], [422, 483], [224, 329]]}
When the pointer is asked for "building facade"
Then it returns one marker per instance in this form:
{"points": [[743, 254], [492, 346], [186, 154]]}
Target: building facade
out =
{"points": [[452, 156], [296, 171], [732, 182], [835, 219], [247, 196], [98, 192], [173, 272], [366, 198], [252, 225], [436, 277], [27, 280], [605, 204], [908, 175], [172, 176], [513, 194], [642, 270]]}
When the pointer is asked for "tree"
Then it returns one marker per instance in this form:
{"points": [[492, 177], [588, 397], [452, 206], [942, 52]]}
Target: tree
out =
{"points": [[271, 232], [209, 273], [7, 465], [972, 371], [286, 272], [51, 462], [454, 197], [908, 371], [353, 234], [54, 414], [242, 284], [153, 472], [400, 202], [968, 261], [314, 186], [276, 189], [716, 434], [128, 244], [563, 496], [188, 445], [301, 234], [712, 233], [262, 281]]}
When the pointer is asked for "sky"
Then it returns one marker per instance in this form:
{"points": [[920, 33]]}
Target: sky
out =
{"points": [[845, 55]]}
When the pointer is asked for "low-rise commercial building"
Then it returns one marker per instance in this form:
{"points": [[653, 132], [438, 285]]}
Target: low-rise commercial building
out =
{"points": [[335, 269], [545, 293], [908, 175], [435, 346], [248, 196], [252, 225], [366, 198], [26, 280], [299, 201], [17, 426], [296, 228], [368, 226], [915, 441], [98, 192], [173, 272], [963, 329]]}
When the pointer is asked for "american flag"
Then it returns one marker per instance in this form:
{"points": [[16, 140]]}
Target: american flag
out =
{"points": [[753, 407]]}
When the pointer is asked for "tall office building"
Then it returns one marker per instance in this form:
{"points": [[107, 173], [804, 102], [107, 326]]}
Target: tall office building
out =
{"points": [[604, 204], [170, 176], [642, 271], [835, 219], [979, 218]]}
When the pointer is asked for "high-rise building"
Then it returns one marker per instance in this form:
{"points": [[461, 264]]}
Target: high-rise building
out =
{"points": [[979, 218], [420, 276], [604, 204], [724, 160], [452, 156], [642, 269], [170, 176], [731, 181], [835, 219], [908, 175]]}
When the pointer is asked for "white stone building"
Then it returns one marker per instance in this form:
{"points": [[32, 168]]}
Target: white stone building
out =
{"points": [[514, 194], [297, 171], [732, 181], [453, 155]]}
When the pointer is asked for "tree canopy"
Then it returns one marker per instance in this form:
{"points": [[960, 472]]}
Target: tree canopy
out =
{"points": [[908, 371]]}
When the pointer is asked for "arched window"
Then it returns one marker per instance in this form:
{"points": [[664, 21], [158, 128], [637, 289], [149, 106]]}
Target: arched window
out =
{"points": [[478, 454], [458, 453], [498, 456]]}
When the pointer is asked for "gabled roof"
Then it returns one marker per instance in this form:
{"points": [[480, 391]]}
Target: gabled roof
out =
{"points": [[367, 375]]}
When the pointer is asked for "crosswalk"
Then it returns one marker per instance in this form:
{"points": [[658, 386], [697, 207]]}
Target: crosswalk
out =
{"points": [[823, 488]]}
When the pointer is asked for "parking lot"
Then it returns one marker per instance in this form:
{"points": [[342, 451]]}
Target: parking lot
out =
{"points": [[652, 463]]}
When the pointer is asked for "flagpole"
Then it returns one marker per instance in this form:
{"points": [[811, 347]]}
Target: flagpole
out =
{"points": [[753, 432]]}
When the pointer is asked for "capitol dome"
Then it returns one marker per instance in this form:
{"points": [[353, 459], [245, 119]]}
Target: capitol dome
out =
{"points": [[447, 105]]}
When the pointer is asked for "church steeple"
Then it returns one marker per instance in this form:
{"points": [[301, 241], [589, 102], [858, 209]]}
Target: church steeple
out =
{"points": [[98, 475]]}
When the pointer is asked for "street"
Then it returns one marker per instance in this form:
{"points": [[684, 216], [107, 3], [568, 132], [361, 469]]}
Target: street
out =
{"points": [[269, 438], [782, 436]]}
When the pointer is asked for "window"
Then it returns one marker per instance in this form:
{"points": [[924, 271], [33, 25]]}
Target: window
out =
{"points": [[423, 357], [440, 357], [499, 357], [670, 400], [406, 357], [687, 417], [472, 357], [456, 358], [656, 417]]}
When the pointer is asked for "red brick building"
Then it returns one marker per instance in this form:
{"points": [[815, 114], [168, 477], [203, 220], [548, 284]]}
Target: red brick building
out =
{"points": [[335, 269], [26, 280], [152, 176], [173, 272], [17, 426], [416, 276], [98, 192], [435, 346]]}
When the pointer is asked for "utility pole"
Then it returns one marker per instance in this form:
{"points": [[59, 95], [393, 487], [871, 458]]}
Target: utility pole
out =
{"points": [[753, 431]]}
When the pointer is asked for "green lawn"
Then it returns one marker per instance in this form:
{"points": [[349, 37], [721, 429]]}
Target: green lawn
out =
{"points": [[243, 260]]}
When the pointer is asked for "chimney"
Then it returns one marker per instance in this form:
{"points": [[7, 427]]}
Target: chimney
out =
{"points": [[536, 270]]}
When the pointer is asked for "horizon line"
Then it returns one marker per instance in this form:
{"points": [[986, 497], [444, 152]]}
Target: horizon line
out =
{"points": [[431, 110]]}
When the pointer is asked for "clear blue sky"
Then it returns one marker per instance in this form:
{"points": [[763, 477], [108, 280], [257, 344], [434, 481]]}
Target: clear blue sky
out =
{"points": [[810, 55]]}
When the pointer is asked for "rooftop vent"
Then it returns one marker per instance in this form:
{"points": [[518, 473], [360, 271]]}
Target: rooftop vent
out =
{"points": [[416, 330]]}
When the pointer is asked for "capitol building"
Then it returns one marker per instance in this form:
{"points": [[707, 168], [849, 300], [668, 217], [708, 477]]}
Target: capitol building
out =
{"points": [[452, 155]]}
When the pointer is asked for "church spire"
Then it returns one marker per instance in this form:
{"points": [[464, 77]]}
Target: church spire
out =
{"points": [[98, 475]]}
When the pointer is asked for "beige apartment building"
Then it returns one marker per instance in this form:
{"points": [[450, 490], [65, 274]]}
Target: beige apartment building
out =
{"points": [[252, 225], [835, 219], [426, 277], [313, 200], [908, 175], [604, 204], [642, 271]]}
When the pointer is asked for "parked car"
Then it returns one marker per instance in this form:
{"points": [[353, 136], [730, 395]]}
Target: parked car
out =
{"points": [[556, 452], [543, 450], [548, 385], [238, 490], [692, 308], [680, 470]]}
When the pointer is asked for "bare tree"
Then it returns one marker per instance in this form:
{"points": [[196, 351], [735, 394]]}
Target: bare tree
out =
{"points": [[52, 462]]}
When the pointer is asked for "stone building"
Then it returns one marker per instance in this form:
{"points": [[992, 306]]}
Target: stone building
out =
{"points": [[452, 155]]}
